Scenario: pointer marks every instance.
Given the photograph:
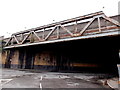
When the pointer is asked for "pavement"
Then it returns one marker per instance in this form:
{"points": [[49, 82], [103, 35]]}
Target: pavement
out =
{"points": [[31, 79], [112, 83]]}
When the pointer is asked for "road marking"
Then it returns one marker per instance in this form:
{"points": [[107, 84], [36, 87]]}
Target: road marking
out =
{"points": [[40, 86], [41, 83], [72, 84], [41, 78], [4, 81]]}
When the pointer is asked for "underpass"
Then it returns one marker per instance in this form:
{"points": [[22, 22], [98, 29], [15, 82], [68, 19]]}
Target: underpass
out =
{"points": [[98, 55], [85, 44]]}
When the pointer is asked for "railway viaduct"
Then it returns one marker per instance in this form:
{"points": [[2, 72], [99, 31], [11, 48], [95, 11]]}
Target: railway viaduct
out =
{"points": [[85, 43]]}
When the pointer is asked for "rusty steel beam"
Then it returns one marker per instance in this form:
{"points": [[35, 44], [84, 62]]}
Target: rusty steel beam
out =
{"points": [[16, 39], [112, 33], [58, 30], [66, 30], [62, 22], [8, 41], [99, 24], [25, 38], [50, 33], [36, 35], [83, 30], [76, 26], [111, 20]]}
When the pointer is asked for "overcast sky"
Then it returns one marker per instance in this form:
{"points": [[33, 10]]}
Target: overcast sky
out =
{"points": [[19, 15]]}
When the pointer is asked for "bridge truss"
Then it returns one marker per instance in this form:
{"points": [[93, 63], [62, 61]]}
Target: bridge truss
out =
{"points": [[87, 26]]}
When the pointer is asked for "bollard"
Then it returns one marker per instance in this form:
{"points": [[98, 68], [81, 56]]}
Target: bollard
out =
{"points": [[118, 65]]}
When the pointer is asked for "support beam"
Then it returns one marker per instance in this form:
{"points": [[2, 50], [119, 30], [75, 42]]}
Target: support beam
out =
{"points": [[67, 30], [76, 26], [83, 30], [50, 33], [25, 38], [99, 25], [111, 20], [12, 40], [43, 35], [16, 39], [36, 35], [58, 32], [113, 33], [21, 37], [8, 41]]}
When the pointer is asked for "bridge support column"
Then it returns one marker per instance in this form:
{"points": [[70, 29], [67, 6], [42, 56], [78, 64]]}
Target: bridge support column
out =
{"points": [[21, 59], [8, 58], [29, 59]]}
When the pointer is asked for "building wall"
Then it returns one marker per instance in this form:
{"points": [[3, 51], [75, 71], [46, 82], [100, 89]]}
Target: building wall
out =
{"points": [[44, 60], [3, 58], [14, 59], [8, 60]]}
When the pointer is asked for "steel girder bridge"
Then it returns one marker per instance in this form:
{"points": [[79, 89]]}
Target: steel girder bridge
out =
{"points": [[83, 27]]}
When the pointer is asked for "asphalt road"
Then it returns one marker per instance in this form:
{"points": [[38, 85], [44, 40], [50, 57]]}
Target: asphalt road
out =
{"points": [[26, 79]]}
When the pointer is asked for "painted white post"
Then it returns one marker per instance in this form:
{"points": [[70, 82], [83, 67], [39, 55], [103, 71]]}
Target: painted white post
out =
{"points": [[118, 65]]}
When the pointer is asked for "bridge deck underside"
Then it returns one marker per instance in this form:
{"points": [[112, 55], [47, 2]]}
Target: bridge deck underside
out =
{"points": [[92, 55]]}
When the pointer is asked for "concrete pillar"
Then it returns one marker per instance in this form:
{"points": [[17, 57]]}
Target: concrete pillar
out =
{"points": [[22, 56]]}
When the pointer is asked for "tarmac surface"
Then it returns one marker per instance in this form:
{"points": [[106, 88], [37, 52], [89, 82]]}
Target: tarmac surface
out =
{"points": [[40, 80]]}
